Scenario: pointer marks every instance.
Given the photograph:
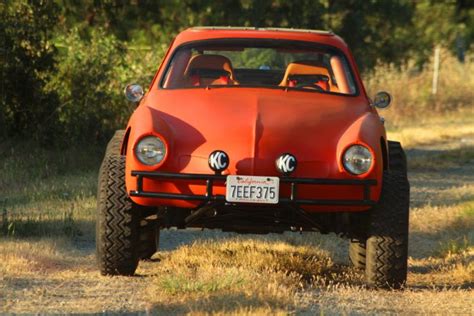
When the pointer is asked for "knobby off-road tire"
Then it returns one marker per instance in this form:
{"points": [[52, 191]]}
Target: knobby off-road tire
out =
{"points": [[397, 162], [397, 157], [149, 239], [125, 232], [387, 244], [117, 224], [357, 253], [117, 232]]}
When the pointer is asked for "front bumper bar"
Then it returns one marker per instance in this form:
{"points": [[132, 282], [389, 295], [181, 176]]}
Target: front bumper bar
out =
{"points": [[209, 180]]}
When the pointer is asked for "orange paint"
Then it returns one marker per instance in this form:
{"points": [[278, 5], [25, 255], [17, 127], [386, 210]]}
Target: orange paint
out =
{"points": [[254, 125]]}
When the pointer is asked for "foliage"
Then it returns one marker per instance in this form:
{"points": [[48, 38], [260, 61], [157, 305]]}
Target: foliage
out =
{"points": [[27, 56], [88, 82], [65, 62]]}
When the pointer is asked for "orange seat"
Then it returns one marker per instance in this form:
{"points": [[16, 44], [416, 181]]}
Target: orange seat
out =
{"points": [[308, 68], [203, 70]]}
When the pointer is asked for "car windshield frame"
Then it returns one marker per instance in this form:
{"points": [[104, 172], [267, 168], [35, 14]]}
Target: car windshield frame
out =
{"points": [[262, 43]]}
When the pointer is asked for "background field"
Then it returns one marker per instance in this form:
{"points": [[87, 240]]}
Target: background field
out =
{"points": [[48, 262]]}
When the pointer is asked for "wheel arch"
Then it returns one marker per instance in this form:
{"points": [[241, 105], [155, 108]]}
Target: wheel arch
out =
{"points": [[383, 147], [123, 148]]}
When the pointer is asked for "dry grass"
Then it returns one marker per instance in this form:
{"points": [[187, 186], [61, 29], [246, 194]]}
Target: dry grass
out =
{"points": [[47, 261], [250, 273], [411, 87], [412, 301], [442, 160], [444, 128]]}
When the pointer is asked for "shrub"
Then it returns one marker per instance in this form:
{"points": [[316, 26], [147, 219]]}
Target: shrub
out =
{"points": [[89, 83], [27, 56]]}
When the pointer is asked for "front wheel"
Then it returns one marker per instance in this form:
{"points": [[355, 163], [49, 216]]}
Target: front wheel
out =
{"points": [[387, 242], [117, 230]]}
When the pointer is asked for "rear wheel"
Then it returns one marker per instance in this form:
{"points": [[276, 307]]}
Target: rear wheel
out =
{"points": [[357, 253], [149, 234]]}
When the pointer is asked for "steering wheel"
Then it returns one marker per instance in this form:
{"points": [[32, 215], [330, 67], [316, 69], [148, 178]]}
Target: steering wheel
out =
{"points": [[308, 85]]}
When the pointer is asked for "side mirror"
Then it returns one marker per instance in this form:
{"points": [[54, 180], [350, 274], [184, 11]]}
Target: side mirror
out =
{"points": [[134, 92], [382, 100]]}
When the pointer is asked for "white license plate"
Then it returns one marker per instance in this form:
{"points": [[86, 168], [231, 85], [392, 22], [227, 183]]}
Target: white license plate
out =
{"points": [[252, 189]]}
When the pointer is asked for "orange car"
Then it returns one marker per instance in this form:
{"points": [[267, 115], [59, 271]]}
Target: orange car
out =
{"points": [[256, 130]]}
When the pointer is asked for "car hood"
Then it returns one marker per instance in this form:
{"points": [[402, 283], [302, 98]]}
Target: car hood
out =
{"points": [[253, 126]]}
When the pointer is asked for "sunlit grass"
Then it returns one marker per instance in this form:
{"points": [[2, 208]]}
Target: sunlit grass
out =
{"points": [[47, 213], [250, 272], [441, 128]]}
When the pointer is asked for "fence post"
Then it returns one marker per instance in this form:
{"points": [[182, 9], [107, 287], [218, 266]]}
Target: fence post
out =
{"points": [[434, 88]]}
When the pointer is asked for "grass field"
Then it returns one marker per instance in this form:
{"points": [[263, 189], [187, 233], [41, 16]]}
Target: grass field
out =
{"points": [[47, 205]]}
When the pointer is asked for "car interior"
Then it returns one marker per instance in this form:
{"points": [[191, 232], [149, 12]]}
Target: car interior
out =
{"points": [[202, 69]]}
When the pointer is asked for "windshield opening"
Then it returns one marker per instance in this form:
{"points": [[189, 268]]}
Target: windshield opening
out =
{"points": [[262, 63]]}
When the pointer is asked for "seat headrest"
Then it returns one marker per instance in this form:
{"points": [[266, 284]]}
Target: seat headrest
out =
{"points": [[304, 68], [214, 62]]}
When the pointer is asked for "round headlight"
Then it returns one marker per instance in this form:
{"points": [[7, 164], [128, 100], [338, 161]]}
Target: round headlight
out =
{"points": [[357, 159], [150, 150]]}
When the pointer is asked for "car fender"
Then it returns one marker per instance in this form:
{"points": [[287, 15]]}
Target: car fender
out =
{"points": [[369, 131], [144, 122]]}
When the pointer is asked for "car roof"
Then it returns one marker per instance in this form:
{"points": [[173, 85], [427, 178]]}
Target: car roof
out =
{"points": [[216, 32], [225, 32], [261, 29]]}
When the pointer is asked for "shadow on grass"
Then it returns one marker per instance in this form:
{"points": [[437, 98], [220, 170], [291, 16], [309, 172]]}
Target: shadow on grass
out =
{"points": [[438, 159], [38, 227], [57, 193]]}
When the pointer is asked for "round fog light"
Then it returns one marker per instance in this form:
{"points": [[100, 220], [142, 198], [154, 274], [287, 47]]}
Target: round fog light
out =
{"points": [[357, 159]]}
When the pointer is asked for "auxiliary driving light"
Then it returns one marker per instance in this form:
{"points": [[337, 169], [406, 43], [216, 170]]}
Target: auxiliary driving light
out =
{"points": [[286, 163], [218, 161]]}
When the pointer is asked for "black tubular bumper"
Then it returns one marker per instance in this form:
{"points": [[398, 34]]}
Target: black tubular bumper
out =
{"points": [[210, 179]]}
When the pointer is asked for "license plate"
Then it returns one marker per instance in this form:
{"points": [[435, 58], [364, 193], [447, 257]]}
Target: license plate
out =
{"points": [[252, 189]]}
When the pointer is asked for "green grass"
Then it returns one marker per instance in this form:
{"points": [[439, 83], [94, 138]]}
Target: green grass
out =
{"points": [[459, 238], [456, 246], [178, 284], [468, 210], [48, 192], [464, 242]]}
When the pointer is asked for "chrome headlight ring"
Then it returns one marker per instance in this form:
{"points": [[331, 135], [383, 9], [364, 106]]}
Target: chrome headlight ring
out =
{"points": [[357, 159], [150, 150]]}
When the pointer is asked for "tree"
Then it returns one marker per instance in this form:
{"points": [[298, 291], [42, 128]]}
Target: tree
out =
{"points": [[27, 58]]}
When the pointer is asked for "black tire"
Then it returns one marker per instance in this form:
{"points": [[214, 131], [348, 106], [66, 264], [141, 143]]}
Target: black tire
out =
{"points": [[357, 253], [150, 246], [398, 162], [387, 244], [397, 157], [117, 227], [149, 234]]}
